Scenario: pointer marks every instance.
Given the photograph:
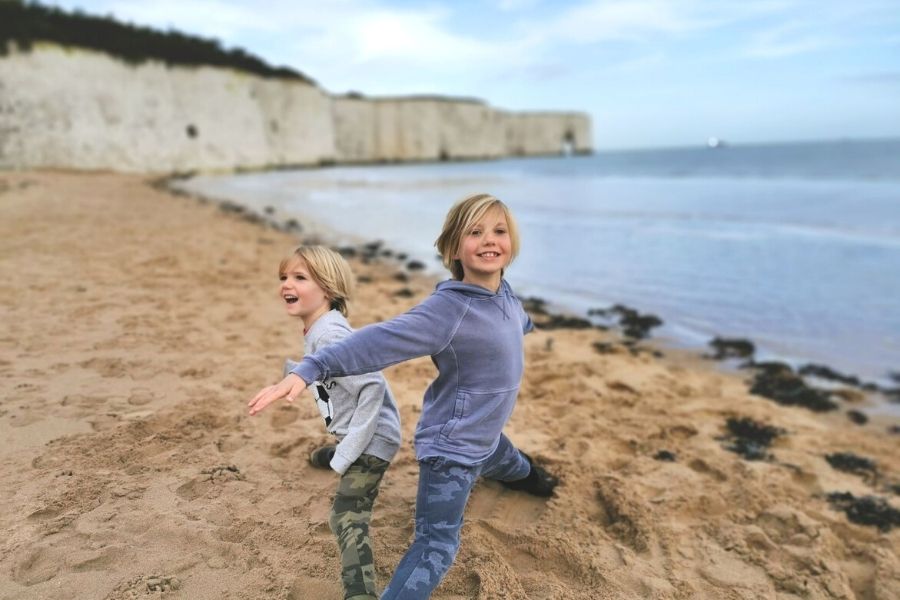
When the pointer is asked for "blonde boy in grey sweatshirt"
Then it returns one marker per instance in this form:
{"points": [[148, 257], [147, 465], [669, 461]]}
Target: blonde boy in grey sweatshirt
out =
{"points": [[360, 411]]}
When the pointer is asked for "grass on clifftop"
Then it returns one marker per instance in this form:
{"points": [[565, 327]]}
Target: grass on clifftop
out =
{"points": [[25, 23]]}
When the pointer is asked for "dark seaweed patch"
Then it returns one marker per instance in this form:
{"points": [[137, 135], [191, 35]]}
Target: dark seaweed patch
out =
{"points": [[778, 382], [868, 510], [750, 439], [665, 455], [852, 463]]}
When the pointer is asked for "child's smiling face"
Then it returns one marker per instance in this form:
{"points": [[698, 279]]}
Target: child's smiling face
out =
{"points": [[301, 294], [486, 249]]}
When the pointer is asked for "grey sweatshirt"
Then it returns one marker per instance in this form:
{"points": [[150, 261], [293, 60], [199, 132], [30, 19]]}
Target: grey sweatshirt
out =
{"points": [[360, 410], [474, 337]]}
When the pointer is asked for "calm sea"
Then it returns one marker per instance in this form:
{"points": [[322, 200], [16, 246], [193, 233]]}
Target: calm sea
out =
{"points": [[795, 246]]}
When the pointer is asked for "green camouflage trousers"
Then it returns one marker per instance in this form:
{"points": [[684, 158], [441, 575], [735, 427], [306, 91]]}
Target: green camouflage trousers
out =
{"points": [[350, 516]]}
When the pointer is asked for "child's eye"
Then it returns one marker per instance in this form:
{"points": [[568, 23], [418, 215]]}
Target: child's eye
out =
{"points": [[282, 277], [475, 232], [299, 277]]}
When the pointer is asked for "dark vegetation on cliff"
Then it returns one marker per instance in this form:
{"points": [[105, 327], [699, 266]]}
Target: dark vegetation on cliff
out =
{"points": [[26, 23]]}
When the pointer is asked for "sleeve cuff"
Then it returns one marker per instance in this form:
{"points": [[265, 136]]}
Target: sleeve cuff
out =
{"points": [[340, 464], [307, 370]]}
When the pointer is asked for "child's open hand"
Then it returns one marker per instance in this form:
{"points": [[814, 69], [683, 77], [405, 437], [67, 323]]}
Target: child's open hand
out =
{"points": [[290, 387]]}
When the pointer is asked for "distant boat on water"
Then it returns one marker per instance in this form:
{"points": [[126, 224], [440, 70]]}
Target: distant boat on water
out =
{"points": [[714, 142]]}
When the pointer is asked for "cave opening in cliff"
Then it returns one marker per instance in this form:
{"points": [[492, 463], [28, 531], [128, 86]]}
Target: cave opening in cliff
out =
{"points": [[568, 144]]}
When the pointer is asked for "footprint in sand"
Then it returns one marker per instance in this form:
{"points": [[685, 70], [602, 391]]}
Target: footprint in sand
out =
{"points": [[492, 501], [305, 587], [284, 449], [208, 480], [285, 415], [194, 373], [702, 467], [38, 565], [141, 396]]}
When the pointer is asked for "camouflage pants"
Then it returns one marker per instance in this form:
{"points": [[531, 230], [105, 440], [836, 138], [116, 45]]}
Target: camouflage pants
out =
{"points": [[444, 488], [350, 516]]}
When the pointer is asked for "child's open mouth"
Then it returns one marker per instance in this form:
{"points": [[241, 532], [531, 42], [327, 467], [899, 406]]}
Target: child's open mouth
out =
{"points": [[290, 299], [489, 254]]}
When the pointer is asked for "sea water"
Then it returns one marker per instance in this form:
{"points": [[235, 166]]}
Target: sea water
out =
{"points": [[794, 246]]}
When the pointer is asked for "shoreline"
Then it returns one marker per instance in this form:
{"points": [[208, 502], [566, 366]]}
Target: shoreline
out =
{"points": [[140, 323], [882, 396], [787, 327]]}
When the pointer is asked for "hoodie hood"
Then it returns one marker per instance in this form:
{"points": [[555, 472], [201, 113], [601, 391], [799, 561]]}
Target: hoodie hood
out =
{"points": [[500, 299]]}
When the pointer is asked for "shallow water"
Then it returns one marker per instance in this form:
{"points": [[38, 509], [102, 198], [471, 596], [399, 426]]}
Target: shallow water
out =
{"points": [[796, 247]]}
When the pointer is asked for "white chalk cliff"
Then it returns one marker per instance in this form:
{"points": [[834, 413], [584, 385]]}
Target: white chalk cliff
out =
{"points": [[81, 109]]}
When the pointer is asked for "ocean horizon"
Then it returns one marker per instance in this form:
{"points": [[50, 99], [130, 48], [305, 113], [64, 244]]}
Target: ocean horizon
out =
{"points": [[795, 246]]}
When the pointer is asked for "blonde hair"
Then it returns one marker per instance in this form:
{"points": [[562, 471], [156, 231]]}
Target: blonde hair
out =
{"points": [[328, 269], [460, 220]]}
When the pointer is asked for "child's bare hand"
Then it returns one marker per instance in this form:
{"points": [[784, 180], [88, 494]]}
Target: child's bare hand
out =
{"points": [[289, 388]]}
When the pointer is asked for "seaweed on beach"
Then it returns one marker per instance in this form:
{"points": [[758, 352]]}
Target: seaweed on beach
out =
{"points": [[23, 24], [732, 348], [534, 305], [857, 417], [750, 439], [852, 463], [778, 382], [563, 322], [665, 456], [867, 510], [605, 347], [634, 324], [826, 372]]}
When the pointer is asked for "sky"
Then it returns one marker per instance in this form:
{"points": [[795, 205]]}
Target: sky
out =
{"points": [[650, 73]]}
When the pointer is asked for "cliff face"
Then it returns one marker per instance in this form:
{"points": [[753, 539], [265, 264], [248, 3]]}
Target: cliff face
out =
{"points": [[86, 110]]}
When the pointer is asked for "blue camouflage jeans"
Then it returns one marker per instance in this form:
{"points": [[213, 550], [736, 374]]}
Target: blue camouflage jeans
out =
{"points": [[444, 488]]}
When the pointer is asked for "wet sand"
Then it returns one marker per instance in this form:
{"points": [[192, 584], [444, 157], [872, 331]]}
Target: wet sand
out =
{"points": [[137, 324]]}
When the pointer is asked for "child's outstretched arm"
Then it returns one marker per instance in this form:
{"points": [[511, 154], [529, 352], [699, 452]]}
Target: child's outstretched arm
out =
{"points": [[290, 387], [424, 330]]}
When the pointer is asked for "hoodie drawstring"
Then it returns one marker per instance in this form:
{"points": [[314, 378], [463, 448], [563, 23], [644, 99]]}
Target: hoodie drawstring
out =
{"points": [[502, 306]]}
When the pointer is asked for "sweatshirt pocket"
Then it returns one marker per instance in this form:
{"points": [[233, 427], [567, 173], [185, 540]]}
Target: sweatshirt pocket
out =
{"points": [[459, 411]]}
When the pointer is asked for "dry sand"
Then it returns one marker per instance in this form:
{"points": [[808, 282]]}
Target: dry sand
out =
{"points": [[137, 324]]}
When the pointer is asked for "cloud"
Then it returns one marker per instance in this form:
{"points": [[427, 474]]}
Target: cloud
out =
{"points": [[804, 27], [413, 36], [624, 20], [380, 47], [209, 18], [786, 40]]}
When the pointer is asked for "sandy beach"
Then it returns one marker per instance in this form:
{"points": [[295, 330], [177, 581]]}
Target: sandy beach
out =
{"points": [[137, 323]]}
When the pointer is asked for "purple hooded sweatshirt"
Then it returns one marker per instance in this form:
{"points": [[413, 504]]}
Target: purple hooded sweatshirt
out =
{"points": [[474, 338]]}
